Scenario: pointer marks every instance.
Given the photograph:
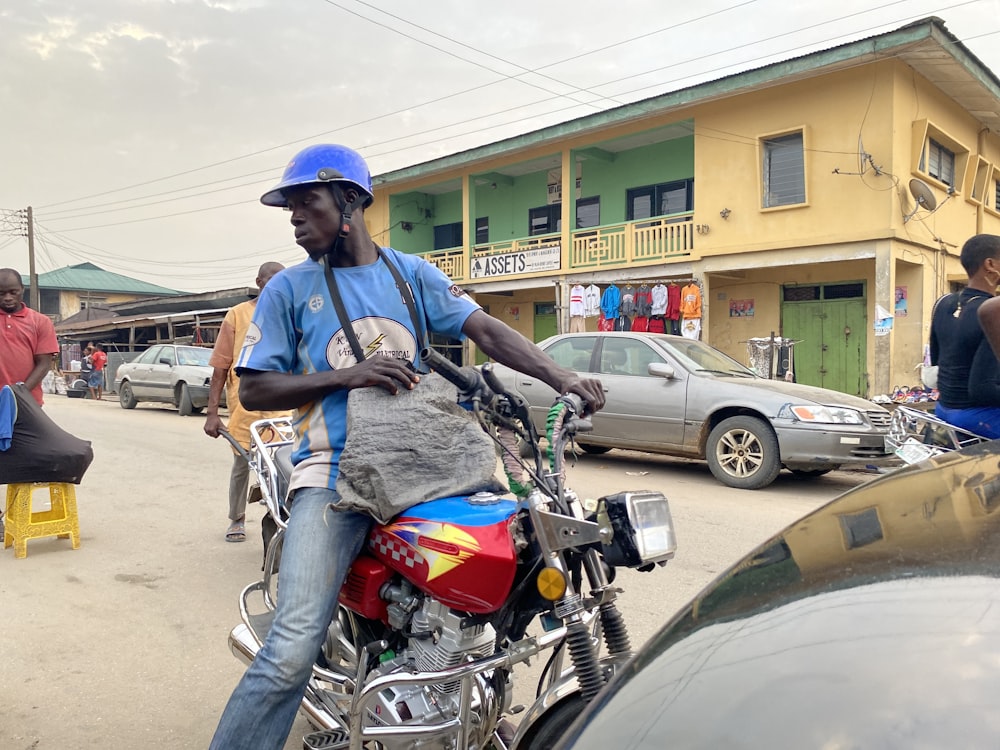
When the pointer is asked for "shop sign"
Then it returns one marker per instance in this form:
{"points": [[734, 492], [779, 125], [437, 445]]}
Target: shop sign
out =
{"points": [[542, 258]]}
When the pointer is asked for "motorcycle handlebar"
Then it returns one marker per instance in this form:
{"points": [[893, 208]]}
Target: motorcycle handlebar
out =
{"points": [[465, 379]]}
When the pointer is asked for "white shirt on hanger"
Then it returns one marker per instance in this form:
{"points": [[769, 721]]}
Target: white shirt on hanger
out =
{"points": [[592, 301]]}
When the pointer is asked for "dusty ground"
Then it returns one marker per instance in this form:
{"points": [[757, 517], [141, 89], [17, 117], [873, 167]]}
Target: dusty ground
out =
{"points": [[122, 643]]}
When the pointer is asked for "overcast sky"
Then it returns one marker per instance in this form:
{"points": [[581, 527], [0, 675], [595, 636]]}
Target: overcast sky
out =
{"points": [[143, 132]]}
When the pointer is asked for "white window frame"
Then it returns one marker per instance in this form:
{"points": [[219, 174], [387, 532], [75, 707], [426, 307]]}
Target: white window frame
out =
{"points": [[769, 146], [928, 145]]}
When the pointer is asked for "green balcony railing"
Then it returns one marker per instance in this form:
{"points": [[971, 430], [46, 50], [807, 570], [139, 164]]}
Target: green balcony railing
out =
{"points": [[647, 242]]}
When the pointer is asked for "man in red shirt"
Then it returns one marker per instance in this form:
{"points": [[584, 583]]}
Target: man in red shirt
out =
{"points": [[27, 338], [95, 381]]}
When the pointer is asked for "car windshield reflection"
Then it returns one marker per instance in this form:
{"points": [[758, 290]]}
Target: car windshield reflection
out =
{"points": [[698, 357], [193, 355]]}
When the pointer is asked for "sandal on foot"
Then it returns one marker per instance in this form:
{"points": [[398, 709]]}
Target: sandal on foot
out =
{"points": [[236, 532]]}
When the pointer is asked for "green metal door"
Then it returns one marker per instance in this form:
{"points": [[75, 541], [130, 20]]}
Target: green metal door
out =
{"points": [[545, 320], [832, 335]]}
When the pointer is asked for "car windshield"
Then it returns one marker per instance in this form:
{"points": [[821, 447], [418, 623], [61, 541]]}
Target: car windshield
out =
{"points": [[193, 355], [699, 357]]}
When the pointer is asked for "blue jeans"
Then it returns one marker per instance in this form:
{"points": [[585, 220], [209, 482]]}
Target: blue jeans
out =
{"points": [[320, 545], [982, 420]]}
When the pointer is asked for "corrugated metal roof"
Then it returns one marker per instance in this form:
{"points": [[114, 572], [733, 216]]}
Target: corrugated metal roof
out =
{"points": [[87, 277]]}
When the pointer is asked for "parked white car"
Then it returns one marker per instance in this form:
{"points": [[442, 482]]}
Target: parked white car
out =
{"points": [[167, 373]]}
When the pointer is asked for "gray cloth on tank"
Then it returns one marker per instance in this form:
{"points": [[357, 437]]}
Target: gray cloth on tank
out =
{"points": [[415, 446]]}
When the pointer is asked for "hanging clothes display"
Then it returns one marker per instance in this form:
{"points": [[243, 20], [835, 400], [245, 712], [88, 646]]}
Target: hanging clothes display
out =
{"points": [[576, 309], [576, 301], [643, 301], [640, 323], [691, 311], [657, 324], [591, 301], [627, 306], [610, 301], [673, 302], [659, 300], [691, 301]]}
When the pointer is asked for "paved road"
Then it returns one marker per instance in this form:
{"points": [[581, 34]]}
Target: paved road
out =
{"points": [[122, 643]]}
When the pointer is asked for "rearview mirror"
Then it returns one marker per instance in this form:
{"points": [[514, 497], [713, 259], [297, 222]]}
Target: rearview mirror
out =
{"points": [[164, 361], [661, 370]]}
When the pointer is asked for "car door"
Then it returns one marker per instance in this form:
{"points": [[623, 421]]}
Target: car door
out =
{"points": [[160, 388], [140, 372], [641, 410], [574, 352]]}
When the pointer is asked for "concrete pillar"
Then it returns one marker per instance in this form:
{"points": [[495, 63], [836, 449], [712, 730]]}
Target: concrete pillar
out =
{"points": [[879, 369]]}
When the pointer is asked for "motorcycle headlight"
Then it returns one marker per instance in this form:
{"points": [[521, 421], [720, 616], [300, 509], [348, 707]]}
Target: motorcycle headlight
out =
{"points": [[642, 528], [818, 414]]}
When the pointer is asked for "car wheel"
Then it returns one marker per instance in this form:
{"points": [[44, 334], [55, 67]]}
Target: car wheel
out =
{"points": [[810, 473], [743, 453], [126, 398], [595, 450], [184, 405]]}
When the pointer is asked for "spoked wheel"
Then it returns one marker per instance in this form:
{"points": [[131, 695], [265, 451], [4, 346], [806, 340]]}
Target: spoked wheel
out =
{"points": [[743, 453]]}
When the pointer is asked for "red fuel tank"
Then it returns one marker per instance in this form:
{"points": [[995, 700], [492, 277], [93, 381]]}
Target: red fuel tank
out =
{"points": [[457, 549]]}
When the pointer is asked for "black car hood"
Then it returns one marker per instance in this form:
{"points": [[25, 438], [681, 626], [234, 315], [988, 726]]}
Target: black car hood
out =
{"points": [[873, 622]]}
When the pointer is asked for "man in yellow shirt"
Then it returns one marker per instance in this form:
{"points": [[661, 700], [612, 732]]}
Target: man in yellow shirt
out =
{"points": [[224, 355]]}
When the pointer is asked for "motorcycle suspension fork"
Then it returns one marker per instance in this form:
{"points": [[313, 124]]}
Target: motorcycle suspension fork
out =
{"points": [[612, 624]]}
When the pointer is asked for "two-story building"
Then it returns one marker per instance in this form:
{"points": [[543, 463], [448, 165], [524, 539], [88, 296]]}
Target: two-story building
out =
{"points": [[823, 199]]}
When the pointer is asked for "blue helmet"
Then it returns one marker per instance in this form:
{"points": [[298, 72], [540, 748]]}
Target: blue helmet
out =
{"points": [[322, 163]]}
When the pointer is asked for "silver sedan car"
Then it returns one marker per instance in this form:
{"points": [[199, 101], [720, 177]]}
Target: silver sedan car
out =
{"points": [[677, 396], [167, 373]]}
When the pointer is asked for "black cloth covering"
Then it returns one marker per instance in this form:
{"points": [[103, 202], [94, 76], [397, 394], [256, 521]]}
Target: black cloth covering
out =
{"points": [[40, 450]]}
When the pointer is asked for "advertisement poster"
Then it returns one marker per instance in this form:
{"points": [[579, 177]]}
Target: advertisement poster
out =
{"points": [[741, 308], [900, 309]]}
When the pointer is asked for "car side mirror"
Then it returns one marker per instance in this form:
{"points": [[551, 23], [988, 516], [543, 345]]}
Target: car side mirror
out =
{"points": [[661, 370], [164, 361]]}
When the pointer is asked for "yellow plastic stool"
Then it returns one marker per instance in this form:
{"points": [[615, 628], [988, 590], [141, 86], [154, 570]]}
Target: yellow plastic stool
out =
{"points": [[60, 520]]}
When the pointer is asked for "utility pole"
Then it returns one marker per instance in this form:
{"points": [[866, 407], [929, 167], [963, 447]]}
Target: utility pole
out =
{"points": [[36, 302]]}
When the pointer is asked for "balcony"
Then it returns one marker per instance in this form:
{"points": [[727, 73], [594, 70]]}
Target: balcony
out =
{"points": [[637, 243]]}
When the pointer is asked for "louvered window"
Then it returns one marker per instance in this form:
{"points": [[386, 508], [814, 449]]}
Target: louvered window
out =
{"points": [[783, 170]]}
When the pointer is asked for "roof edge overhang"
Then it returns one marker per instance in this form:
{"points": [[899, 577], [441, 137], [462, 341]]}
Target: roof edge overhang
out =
{"points": [[871, 49]]}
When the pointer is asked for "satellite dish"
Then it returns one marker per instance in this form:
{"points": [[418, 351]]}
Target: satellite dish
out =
{"points": [[923, 197]]}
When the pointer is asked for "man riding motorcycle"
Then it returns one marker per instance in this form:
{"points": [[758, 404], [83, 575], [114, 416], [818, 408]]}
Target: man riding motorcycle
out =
{"points": [[350, 316]]}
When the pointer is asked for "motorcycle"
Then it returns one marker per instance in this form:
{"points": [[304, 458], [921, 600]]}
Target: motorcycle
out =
{"points": [[422, 657], [915, 435]]}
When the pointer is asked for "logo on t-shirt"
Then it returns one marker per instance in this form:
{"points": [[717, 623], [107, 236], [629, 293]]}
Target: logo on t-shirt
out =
{"points": [[253, 335], [316, 303], [378, 337]]}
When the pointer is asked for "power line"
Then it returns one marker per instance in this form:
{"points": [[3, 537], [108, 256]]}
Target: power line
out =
{"points": [[459, 57], [547, 113], [366, 121]]}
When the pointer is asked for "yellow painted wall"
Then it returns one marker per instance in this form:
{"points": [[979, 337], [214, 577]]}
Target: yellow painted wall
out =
{"points": [[517, 310], [831, 110], [69, 301], [856, 120], [763, 286]]}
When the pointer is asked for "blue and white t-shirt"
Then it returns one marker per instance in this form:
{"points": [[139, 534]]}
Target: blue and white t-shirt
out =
{"points": [[295, 330]]}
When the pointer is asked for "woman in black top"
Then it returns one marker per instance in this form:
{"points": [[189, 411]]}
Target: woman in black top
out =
{"points": [[968, 370]]}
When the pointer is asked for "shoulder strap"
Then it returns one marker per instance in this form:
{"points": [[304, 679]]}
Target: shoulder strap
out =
{"points": [[345, 322], [939, 300]]}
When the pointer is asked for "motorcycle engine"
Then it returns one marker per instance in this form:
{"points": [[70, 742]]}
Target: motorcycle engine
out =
{"points": [[438, 642]]}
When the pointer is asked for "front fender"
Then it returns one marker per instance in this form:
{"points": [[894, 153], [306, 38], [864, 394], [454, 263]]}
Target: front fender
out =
{"points": [[555, 694]]}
